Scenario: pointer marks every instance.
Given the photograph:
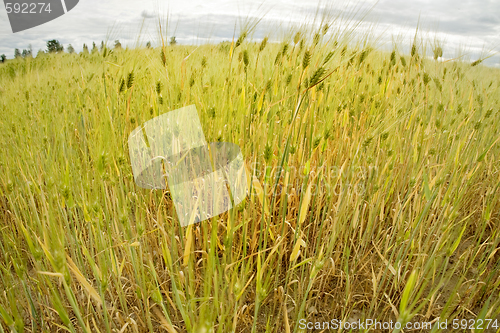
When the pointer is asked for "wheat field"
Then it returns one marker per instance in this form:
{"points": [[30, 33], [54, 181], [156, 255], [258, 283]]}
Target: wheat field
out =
{"points": [[373, 188]]}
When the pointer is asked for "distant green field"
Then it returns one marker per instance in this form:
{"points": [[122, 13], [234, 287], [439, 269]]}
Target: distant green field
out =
{"points": [[374, 189]]}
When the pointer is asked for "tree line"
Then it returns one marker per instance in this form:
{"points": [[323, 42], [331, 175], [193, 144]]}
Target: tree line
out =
{"points": [[54, 46]]}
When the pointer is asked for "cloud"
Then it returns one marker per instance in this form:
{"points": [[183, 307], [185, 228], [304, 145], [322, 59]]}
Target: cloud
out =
{"points": [[147, 15], [470, 23]]}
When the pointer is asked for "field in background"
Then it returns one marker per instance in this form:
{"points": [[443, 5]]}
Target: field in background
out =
{"points": [[374, 189]]}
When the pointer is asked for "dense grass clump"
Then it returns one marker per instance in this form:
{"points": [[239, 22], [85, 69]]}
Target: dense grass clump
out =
{"points": [[374, 189]]}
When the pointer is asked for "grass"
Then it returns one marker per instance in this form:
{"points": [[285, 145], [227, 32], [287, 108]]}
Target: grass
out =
{"points": [[374, 189]]}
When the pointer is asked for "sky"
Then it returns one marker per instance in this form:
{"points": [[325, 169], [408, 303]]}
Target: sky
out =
{"points": [[464, 28]]}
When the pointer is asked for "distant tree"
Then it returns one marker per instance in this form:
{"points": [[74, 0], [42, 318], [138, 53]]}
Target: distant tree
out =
{"points": [[94, 47], [71, 49], [118, 45], [85, 49], [17, 53], [102, 46], [26, 53], [3, 57], [172, 40], [54, 46], [148, 45]]}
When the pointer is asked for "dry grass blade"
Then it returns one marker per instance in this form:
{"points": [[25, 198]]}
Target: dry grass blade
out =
{"points": [[83, 281]]}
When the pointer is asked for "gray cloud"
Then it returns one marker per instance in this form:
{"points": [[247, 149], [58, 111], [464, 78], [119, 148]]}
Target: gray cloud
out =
{"points": [[147, 15], [473, 24]]}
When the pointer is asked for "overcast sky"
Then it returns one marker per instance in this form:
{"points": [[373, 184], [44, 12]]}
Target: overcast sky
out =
{"points": [[467, 25]]}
